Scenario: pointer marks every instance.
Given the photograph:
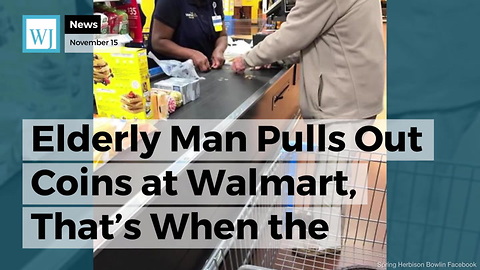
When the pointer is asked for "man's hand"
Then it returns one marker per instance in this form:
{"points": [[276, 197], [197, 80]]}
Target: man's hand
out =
{"points": [[200, 61], [239, 65], [217, 59]]}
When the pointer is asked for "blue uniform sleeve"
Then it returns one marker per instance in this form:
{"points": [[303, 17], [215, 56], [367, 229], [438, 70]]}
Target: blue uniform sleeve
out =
{"points": [[167, 12]]}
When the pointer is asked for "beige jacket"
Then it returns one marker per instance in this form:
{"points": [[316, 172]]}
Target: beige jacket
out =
{"points": [[341, 53]]}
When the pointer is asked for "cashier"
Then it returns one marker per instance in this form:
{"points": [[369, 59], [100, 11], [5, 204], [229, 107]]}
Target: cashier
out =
{"points": [[189, 29], [341, 52]]}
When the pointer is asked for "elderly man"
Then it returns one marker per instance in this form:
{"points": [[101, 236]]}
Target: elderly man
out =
{"points": [[339, 44]]}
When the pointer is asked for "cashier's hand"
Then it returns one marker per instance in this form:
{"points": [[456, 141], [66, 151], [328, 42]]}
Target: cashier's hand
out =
{"points": [[239, 65], [200, 61], [217, 59]]}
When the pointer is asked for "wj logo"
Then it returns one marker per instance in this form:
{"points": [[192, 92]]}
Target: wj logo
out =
{"points": [[41, 33]]}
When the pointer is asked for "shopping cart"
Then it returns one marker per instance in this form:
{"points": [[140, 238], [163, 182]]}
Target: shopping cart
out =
{"points": [[358, 235]]}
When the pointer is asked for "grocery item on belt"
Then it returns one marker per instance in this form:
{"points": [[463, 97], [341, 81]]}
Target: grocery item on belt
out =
{"points": [[159, 104], [172, 104], [101, 71], [132, 103], [188, 87], [122, 83], [177, 97]]}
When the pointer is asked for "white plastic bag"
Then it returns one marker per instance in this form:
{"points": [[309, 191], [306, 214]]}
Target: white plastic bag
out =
{"points": [[236, 49], [174, 68]]}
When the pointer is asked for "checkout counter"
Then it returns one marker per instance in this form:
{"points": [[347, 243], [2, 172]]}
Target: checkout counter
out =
{"points": [[265, 94]]}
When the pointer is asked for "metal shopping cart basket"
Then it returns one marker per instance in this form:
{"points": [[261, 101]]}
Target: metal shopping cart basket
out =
{"points": [[358, 235]]}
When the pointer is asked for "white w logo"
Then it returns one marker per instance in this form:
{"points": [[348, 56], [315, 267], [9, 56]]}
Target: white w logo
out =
{"points": [[40, 37]]}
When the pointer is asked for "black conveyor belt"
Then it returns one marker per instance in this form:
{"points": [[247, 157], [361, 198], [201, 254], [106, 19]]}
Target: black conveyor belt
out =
{"points": [[223, 95], [222, 92]]}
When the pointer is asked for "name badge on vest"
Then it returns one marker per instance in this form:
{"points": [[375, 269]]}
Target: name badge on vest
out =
{"points": [[217, 23], [217, 20]]}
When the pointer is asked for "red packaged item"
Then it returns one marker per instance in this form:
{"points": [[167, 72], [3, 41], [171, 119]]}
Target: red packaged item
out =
{"points": [[134, 19], [113, 22]]}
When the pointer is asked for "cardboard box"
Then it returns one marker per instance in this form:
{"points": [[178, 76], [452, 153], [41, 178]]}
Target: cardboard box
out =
{"points": [[160, 104], [121, 83], [190, 88]]}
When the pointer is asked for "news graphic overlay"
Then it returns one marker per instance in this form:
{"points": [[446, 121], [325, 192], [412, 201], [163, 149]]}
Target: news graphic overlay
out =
{"points": [[41, 34], [83, 33], [195, 183]]}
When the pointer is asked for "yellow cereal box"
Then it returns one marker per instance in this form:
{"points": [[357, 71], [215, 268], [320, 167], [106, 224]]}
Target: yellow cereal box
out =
{"points": [[121, 83]]}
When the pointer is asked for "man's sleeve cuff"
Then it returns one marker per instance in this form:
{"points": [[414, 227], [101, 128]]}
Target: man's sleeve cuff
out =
{"points": [[252, 60]]}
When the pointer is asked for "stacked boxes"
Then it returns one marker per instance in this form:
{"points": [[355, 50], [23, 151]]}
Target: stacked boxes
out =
{"points": [[189, 88], [121, 83]]}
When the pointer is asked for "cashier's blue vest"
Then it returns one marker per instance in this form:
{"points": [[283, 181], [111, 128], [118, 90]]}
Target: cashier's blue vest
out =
{"points": [[195, 29]]}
